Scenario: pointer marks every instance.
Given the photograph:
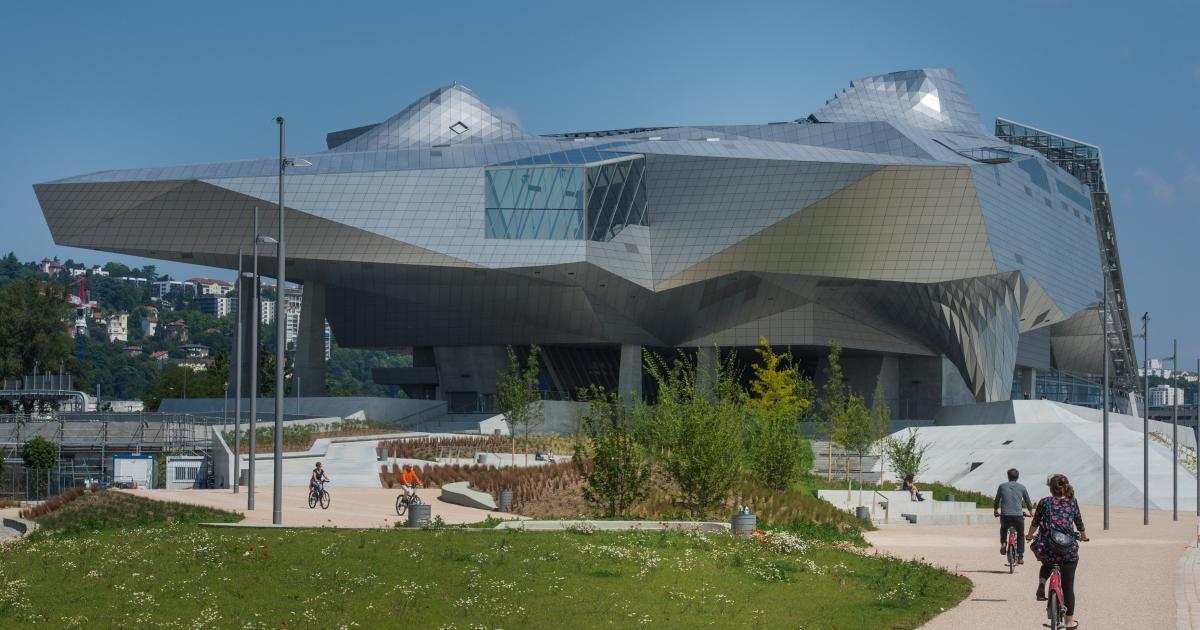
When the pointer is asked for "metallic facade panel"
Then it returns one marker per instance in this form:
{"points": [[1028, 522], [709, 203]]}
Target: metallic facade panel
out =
{"points": [[890, 219]]}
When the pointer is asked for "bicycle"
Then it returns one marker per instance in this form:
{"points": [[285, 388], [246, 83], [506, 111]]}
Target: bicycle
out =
{"points": [[1054, 600], [318, 495], [403, 501], [1012, 549]]}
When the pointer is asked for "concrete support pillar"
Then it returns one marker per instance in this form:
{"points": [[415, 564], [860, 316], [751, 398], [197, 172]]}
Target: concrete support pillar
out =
{"points": [[629, 378], [1029, 382], [310, 340]]}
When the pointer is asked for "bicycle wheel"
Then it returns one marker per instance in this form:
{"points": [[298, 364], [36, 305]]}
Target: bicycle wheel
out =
{"points": [[324, 500], [1012, 551], [401, 505], [312, 499], [1052, 611]]}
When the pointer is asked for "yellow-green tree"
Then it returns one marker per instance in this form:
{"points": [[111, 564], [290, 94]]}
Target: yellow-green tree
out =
{"points": [[776, 451]]}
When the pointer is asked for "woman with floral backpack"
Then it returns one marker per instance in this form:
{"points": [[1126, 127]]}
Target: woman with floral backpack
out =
{"points": [[1053, 532]]}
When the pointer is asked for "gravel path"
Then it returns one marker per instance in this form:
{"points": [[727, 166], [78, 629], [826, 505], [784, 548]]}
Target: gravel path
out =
{"points": [[1128, 576]]}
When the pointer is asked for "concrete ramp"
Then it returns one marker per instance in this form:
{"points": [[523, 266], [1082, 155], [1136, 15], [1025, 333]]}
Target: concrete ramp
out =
{"points": [[1040, 438]]}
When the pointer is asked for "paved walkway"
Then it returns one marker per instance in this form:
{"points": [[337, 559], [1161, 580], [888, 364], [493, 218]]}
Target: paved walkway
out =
{"points": [[1128, 576], [1187, 590], [349, 507]]}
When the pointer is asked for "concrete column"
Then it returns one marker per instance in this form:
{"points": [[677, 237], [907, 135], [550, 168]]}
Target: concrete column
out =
{"points": [[1029, 382], [629, 378], [310, 340]]}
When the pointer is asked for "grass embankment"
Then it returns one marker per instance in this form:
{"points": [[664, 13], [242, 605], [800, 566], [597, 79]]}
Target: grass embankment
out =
{"points": [[934, 490], [108, 510], [112, 573]]}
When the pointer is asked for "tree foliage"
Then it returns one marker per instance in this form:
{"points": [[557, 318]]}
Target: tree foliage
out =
{"points": [[853, 429], [348, 371], [697, 431], [906, 453], [34, 320], [517, 395], [776, 452], [39, 453], [620, 472]]}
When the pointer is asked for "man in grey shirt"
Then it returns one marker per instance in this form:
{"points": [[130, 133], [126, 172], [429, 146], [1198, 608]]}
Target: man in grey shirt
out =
{"points": [[1011, 498]]}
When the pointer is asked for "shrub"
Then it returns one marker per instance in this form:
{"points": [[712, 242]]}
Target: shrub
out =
{"points": [[906, 453], [619, 473], [52, 504], [775, 403], [698, 430]]}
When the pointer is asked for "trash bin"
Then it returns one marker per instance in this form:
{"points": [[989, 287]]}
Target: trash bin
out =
{"points": [[863, 513], [419, 515], [505, 501], [743, 524]]}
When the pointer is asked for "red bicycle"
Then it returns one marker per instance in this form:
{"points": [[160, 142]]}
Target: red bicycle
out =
{"points": [[1012, 548], [1054, 600]]}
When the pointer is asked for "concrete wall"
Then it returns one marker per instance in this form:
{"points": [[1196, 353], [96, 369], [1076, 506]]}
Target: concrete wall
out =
{"points": [[401, 410], [222, 461], [561, 417]]}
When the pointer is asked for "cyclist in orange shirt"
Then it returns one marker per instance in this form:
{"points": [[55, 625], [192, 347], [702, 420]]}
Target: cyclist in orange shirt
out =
{"points": [[409, 480]]}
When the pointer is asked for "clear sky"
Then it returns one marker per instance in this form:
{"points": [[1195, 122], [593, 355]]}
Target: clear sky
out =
{"points": [[88, 86]]}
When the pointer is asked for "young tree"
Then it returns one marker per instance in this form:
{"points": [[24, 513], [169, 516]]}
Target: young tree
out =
{"points": [[907, 454], [697, 431], [833, 396], [881, 419], [853, 430], [620, 474], [518, 398], [40, 454], [776, 451]]}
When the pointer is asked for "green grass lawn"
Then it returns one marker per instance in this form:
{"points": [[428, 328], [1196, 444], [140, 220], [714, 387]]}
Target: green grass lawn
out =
{"points": [[180, 575]]}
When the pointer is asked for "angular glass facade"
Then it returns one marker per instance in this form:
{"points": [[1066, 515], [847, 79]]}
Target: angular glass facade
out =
{"points": [[534, 203], [616, 198], [548, 203]]}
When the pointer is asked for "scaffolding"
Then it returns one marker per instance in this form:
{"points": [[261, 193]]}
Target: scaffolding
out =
{"points": [[86, 443]]}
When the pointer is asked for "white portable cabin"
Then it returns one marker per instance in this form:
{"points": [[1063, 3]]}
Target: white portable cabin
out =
{"points": [[136, 469]]}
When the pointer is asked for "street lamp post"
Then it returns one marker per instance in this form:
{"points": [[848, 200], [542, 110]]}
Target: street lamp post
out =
{"points": [[1174, 435], [254, 288], [1146, 419], [1105, 395], [237, 378], [280, 328]]}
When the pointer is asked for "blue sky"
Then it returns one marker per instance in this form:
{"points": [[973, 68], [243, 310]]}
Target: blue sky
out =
{"points": [[88, 86]]}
